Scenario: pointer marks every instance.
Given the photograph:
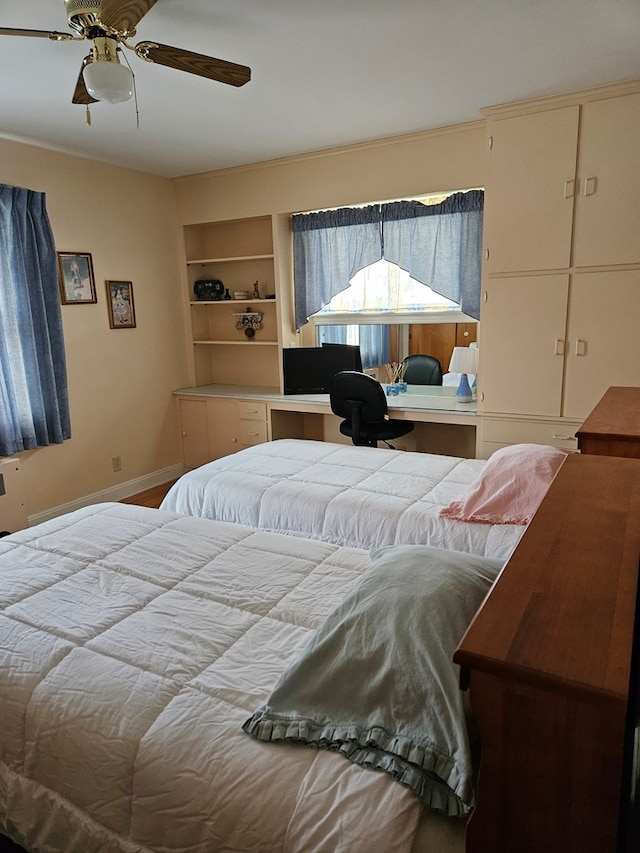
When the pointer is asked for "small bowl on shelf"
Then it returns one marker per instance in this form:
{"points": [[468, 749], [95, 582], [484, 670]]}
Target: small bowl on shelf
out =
{"points": [[240, 294]]}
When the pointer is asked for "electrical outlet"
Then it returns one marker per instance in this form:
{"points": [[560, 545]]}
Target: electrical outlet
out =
{"points": [[116, 463]]}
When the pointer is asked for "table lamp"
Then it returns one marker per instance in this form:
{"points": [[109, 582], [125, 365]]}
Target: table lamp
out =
{"points": [[464, 360]]}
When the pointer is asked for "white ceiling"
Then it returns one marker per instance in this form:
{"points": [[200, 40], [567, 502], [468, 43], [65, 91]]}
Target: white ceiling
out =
{"points": [[325, 73]]}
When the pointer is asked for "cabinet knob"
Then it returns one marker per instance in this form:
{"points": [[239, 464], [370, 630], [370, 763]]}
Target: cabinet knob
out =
{"points": [[569, 188], [581, 347], [559, 347]]}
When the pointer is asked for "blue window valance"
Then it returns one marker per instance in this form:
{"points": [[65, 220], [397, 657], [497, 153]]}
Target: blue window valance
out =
{"points": [[439, 245]]}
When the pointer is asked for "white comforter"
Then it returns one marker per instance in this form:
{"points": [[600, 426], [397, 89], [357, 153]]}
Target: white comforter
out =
{"points": [[134, 644], [364, 497]]}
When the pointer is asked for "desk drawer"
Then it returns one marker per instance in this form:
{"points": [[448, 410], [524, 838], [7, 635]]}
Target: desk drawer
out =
{"points": [[253, 432], [500, 432], [252, 411]]}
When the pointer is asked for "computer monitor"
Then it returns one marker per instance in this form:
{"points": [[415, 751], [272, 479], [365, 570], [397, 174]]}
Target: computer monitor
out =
{"points": [[355, 349], [310, 370]]}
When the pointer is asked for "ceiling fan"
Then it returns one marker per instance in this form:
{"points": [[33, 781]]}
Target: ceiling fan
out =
{"points": [[108, 25]]}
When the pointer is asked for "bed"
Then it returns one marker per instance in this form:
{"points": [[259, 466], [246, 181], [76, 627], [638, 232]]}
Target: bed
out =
{"points": [[358, 496], [144, 657]]}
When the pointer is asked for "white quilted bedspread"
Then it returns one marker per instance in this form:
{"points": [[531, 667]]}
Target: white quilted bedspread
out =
{"points": [[364, 497], [133, 646]]}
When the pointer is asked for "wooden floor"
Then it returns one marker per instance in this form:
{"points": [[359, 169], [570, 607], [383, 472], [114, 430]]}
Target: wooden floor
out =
{"points": [[150, 497]]}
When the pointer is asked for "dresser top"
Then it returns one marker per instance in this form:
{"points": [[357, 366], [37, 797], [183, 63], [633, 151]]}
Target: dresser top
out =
{"points": [[617, 416]]}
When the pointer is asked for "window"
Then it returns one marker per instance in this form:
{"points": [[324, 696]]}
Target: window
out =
{"points": [[383, 288], [389, 259]]}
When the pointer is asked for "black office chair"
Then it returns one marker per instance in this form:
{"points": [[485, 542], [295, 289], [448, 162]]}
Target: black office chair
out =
{"points": [[360, 400], [422, 370]]}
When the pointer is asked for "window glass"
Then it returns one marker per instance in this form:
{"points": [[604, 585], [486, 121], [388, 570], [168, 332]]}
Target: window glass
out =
{"points": [[383, 286]]}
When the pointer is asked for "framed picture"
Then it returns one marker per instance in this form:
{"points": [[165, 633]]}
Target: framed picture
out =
{"points": [[120, 305], [75, 274]]}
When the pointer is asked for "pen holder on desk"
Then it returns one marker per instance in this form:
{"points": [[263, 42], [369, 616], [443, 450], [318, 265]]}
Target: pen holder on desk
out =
{"points": [[392, 389]]}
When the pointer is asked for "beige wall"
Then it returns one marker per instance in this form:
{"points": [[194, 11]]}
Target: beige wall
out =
{"points": [[441, 160], [120, 381], [447, 159]]}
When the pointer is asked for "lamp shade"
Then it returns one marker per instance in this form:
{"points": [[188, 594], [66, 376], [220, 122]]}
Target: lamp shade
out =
{"points": [[108, 81], [464, 360]]}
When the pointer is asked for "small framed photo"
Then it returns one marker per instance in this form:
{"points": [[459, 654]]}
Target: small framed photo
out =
{"points": [[75, 274], [122, 313]]}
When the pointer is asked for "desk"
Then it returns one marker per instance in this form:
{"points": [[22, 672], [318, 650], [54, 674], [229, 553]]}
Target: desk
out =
{"points": [[433, 409]]}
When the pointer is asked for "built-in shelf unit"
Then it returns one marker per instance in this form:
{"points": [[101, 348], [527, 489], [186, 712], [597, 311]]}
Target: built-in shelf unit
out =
{"points": [[238, 253]]}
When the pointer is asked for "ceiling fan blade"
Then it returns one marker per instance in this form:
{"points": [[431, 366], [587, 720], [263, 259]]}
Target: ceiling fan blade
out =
{"points": [[124, 15], [80, 95], [194, 63], [43, 34]]}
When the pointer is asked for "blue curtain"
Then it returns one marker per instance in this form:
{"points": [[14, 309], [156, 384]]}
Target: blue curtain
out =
{"points": [[332, 334], [439, 245], [34, 407], [375, 345], [374, 341], [329, 248]]}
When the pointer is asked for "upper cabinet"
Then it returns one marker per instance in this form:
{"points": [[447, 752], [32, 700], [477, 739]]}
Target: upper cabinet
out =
{"points": [[530, 191], [561, 274], [607, 219], [563, 179], [233, 308]]}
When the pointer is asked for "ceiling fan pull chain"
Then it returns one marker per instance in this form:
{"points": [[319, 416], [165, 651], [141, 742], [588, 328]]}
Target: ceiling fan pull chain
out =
{"points": [[88, 115]]}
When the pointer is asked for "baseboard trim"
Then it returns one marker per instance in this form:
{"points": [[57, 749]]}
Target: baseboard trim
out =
{"points": [[115, 493]]}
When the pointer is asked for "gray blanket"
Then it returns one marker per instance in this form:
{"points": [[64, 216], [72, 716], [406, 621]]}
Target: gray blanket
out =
{"points": [[377, 682]]}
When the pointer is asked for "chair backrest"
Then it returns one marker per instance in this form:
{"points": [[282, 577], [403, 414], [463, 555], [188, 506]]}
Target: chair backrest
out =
{"points": [[422, 370], [352, 391]]}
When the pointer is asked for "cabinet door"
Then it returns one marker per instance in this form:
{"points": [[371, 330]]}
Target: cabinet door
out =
{"points": [[532, 172], [193, 424], [607, 221], [223, 427], [602, 339], [522, 328]]}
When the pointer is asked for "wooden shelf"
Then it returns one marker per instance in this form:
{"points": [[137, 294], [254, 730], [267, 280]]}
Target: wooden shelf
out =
{"points": [[239, 253], [244, 343], [231, 260], [228, 301]]}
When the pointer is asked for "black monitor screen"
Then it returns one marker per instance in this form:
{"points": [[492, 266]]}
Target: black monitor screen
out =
{"points": [[309, 370]]}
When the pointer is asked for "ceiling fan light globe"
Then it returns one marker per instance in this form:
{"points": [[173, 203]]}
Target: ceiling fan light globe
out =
{"points": [[108, 81]]}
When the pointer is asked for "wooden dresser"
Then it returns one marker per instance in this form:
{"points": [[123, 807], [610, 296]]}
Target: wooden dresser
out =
{"points": [[548, 661], [613, 427]]}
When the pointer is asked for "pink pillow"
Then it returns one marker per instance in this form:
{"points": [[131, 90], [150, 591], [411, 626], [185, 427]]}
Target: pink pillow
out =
{"points": [[510, 486]]}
